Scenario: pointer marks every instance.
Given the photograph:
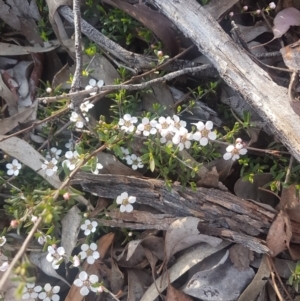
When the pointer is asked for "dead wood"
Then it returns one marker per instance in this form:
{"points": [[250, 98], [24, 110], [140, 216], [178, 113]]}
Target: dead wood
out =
{"points": [[236, 68], [223, 214]]}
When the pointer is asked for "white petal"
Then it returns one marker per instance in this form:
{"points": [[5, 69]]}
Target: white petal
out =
{"points": [[227, 156], [203, 141], [92, 82], [94, 224], [93, 279], [61, 251], [197, 136], [209, 125], [85, 247], [16, 172], [82, 255], [38, 288], [96, 255], [200, 125], [230, 148], [122, 208], [145, 120], [100, 83], [127, 117], [90, 260], [49, 172], [87, 232], [235, 157], [243, 151], [56, 289], [124, 195], [83, 276], [10, 172], [132, 199], [42, 295], [129, 208], [78, 282], [47, 287], [84, 291], [93, 246], [25, 296], [55, 298], [212, 135], [30, 285]]}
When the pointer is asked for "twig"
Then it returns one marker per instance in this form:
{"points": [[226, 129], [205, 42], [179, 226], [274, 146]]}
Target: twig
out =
{"points": [[35, 124], [130, 87]]}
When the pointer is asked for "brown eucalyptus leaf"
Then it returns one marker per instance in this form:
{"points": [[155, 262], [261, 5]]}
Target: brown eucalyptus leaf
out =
{"points": [[176, 295], [240, 256], [280, 234], [116, 278], [11, 49]]}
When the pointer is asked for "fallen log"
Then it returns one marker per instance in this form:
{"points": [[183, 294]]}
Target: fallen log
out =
{"points": [[222, 213]]}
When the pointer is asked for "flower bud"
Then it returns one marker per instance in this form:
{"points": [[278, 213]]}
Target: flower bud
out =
{"points": [[14, 223], [258, 12], [245, 8], [160, 53], [49, 90], [272, 5], [66, 196], [34, 218], [231, 14]]}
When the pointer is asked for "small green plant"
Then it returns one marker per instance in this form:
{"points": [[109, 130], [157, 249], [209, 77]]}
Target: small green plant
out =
{"points": [[294, 279]]}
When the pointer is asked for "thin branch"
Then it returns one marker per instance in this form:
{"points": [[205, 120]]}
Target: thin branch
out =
{"points": [[130, 87]]}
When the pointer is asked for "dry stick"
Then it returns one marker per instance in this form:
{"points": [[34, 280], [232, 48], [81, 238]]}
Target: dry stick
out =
{"points": [[130, 87], [35, 124]]}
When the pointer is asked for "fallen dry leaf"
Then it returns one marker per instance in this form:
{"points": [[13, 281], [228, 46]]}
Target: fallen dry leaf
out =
{"points": [[240, 256], [176, 295], [280, 234]]}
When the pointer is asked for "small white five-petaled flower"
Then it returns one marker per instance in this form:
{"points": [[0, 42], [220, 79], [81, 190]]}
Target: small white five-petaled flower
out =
{"points": [[183, 139], [125, 201], [85, 282], [89, 227], [86, 106], [31, 291], [134, 161], [204, 133], [50, 293], [55, 256], [147, 126], [78, 120], [72, 159], [50, 167], [13, 167], [234, 152], [89, 252], [93, 84], [127, 123]]}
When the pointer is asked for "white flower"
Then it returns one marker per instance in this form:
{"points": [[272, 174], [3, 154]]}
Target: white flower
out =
{"points": [[125, 152], [272, 5], [178, 124], [94, 84], [182, 138], [4, 266], [85, 282], [76, 261], [204, 132], [48, 90], [134, 161], [89, 227], [98, 167], [13, 167], [72, 159], [165, 125], [125, 202], [31, 291], [50, 293], [55, 255], [90, 252], [234, 152], [50, 167], [127, 123], [78, 120], [2, 240], [86, 106], [147, 127], [54, 153]]}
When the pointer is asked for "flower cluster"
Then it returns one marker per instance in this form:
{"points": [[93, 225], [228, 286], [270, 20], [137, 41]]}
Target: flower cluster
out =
{"points": [[49, 293]]}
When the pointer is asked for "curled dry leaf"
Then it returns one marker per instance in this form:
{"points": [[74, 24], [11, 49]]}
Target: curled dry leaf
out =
{"points": [[176, 295], [280, 234], [286, 18]]}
